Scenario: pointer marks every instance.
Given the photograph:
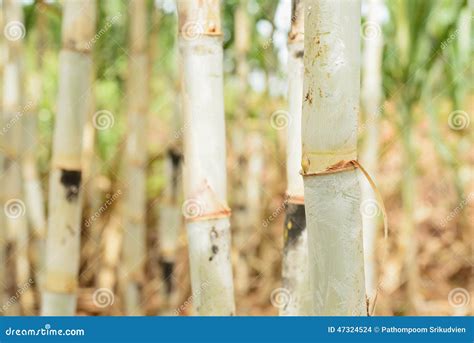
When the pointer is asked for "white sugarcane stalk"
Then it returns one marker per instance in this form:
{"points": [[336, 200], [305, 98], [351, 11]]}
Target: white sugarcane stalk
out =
{"points": [[65, 194], [134, 206], [208, 227], [371, 93], [13, 131], [295, 251], [329, 134]]}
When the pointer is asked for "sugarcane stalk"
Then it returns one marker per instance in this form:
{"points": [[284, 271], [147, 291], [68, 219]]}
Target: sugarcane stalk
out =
{"points": [[59, 294], [329, 137], [205, 208], [295, 251]]}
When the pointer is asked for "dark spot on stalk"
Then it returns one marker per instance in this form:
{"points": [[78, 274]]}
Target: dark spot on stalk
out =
{"points": [[299, 54], [215, 250], [295, 223], [242, 160], [176, 159], [240, 207], [70, 229], [214, 233], [309, 97], [6, 163], [71, 180], [168, 268]]}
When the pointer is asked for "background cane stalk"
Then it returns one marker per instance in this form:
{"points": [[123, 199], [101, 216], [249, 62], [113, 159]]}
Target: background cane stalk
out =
{"points": [[134, 208], [295, 251], [371, 98], [14, 146]]}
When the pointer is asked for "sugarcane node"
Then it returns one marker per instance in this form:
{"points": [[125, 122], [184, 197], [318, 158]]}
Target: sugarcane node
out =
{"points": [[71, 180]]}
